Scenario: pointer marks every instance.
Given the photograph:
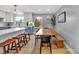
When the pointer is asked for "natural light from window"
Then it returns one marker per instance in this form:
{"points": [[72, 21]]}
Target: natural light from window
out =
{"points": [[19, 18]]}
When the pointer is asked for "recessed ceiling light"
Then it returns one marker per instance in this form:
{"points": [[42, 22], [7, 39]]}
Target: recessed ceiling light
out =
{"points": [[39, 9], [48, 9], [8, 10], [15, 12]]}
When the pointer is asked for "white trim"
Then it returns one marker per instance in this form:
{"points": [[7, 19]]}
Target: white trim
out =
{"points": [[70, 49]]}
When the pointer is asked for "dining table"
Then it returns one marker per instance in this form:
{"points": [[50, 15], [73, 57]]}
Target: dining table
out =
{"points": [[44, 31]]}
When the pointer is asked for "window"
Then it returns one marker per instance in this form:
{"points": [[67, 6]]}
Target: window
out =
{"points": [[19, 18]]}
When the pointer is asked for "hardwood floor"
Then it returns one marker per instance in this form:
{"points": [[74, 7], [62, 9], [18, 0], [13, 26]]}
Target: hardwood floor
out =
{"points": [[46, 50], [30, 48]]}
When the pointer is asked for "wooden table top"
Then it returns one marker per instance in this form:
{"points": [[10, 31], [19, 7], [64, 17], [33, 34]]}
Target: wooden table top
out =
{"points": [[46, 31]]}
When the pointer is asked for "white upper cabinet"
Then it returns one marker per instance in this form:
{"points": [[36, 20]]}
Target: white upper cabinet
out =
{"points": [[2, 16], [7, 17]]}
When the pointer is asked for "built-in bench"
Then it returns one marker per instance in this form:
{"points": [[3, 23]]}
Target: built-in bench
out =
{"points": [[58, 40]]}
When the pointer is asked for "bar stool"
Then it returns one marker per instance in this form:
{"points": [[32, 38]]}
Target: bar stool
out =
{"points": [[21, 40], [26, 36], [7, 44], [17, 42]]}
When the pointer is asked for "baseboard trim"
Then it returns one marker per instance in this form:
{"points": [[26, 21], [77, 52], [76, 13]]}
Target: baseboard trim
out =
{"points": [[70, 49]]}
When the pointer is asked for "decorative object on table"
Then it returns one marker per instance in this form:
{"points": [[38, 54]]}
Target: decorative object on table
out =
{"points": [[62, 17]]}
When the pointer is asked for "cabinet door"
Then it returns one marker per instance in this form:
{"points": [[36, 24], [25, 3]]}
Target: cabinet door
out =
{"points": [[8, 17]]}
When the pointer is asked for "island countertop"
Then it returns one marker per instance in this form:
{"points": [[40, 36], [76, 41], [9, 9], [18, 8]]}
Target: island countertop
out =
{"points": [[6, 31], [9, 33]]}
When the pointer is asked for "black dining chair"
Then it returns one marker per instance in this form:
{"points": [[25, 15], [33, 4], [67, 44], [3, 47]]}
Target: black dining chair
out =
{"points": [[45, 39], [37, 37]]}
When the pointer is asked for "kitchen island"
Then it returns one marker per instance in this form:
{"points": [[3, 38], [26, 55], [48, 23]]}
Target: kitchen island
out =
{"points": [[9, 33]]}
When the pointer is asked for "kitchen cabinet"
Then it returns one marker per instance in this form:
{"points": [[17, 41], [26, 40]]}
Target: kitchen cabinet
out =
{"points": [[9, 17]]}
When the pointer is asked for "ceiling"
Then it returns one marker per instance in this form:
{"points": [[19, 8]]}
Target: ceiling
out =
{"points": [[37, 9]]}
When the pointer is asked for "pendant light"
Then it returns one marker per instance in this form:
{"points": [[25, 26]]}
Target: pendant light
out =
{"points": [[15, 8]]}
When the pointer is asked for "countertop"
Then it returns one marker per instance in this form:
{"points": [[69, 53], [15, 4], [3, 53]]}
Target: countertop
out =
{"points": [[6, 31], [45, 31], [9, 33]]}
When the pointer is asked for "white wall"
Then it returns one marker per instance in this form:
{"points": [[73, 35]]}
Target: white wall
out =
{"points": [[70, 29], [28, 16]]}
